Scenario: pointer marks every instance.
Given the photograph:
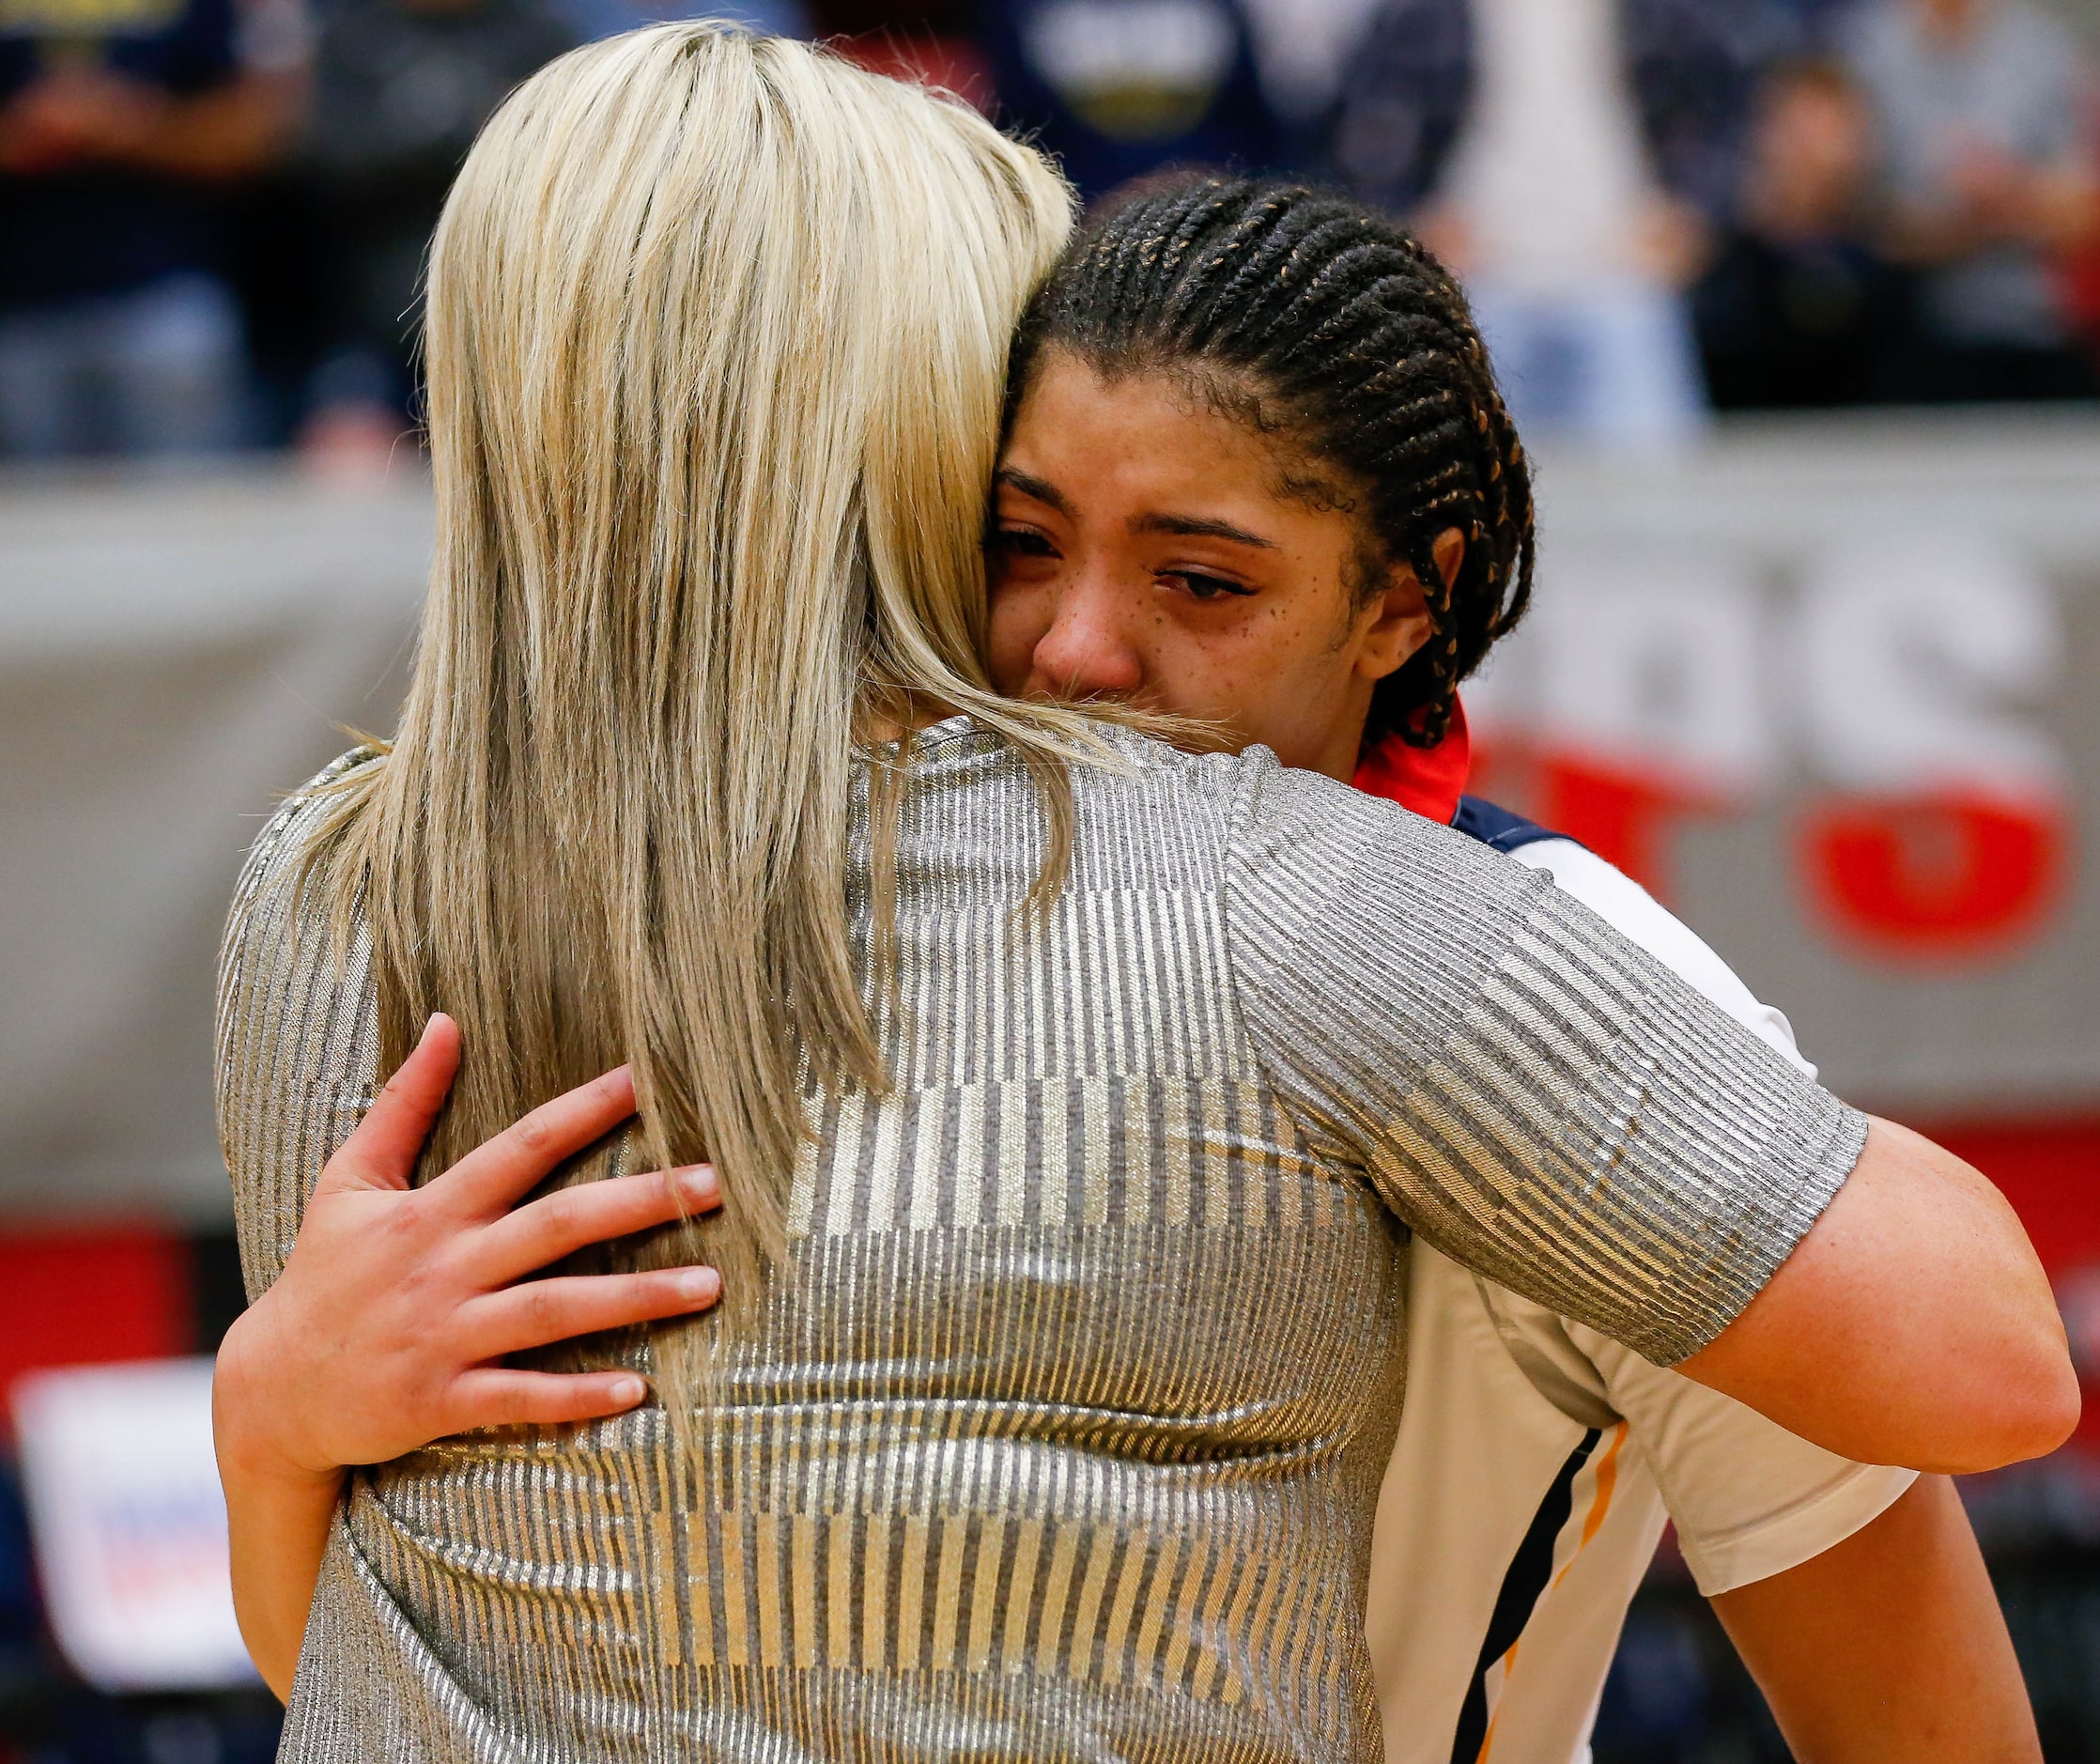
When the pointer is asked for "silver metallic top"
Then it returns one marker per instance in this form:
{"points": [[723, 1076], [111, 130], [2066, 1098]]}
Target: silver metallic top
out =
{"points": [[1063, 1436]]}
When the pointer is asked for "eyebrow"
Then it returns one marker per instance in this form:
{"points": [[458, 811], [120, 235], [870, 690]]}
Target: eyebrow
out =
{"points": [[1042, 490], [1188, 527], [1181, 526]]}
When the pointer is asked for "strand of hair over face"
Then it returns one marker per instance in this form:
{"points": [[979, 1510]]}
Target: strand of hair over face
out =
{"points": [[1341, 330]]}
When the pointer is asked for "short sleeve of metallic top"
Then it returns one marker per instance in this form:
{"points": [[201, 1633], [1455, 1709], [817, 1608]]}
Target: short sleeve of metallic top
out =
{"points": [[1063, 1436]]}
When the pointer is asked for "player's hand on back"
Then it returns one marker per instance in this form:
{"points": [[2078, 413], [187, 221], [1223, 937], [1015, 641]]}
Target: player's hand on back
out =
{"points": [[398, 1306]]}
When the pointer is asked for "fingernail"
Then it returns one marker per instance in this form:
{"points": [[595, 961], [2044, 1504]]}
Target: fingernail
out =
{"points": [[628, 1391], [697, 1186], [702, 1286]]}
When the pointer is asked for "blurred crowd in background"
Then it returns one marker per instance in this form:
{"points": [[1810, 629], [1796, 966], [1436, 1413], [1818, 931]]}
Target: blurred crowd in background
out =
{"points": [[213, 212]]}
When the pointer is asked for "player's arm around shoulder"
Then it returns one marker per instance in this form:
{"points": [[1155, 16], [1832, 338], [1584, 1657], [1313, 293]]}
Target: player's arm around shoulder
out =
{"points": [[1855, 1594]]}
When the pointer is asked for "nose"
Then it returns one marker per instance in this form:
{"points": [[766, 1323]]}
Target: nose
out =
{"points": [[1087, 651]]}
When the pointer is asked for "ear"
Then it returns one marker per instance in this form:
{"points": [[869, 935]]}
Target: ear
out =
{"points": [[1450, 553], [1400, 622]]}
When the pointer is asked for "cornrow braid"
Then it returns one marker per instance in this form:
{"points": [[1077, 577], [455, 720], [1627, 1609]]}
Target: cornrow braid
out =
{"points": [[1314, 319]]}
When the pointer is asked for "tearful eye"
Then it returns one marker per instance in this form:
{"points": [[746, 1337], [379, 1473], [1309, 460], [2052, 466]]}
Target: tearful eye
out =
{"points": [[1200, 587], [1020, 542]]}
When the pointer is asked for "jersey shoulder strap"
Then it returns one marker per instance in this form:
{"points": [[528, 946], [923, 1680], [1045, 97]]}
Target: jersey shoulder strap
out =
{"points": [[1497, 827]]}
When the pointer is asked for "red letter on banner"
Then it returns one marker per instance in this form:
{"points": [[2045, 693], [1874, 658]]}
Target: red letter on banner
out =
{"points": [[1950, 875]]}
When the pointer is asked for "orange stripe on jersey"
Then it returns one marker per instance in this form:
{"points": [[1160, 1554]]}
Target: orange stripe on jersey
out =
{"points": [[1508, 1665], [1600, 1502], [1607, 1480], [1593, 1522], [1527, 1580]]}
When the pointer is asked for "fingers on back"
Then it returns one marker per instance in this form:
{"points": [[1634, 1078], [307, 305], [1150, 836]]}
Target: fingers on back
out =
{"points": [[500, 1171], [385, 1145], [538, 1312], [571, 1219], [501, 1397]]}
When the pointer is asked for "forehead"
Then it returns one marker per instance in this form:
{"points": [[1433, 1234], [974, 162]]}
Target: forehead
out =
{"points": [[1141, 419], [1151, 435]]}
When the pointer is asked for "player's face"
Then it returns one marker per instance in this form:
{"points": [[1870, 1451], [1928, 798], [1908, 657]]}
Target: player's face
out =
{"points": [[1146, 546]]}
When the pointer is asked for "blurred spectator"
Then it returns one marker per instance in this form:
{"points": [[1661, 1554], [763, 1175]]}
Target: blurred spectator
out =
{"points": [[399, 89], [118, 118], [1982, 105], [1799, 308], [276, 247], [1118, 88], [1301, 51], [1566, 158]]}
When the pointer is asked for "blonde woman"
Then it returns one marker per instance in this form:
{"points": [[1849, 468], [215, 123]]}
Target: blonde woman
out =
{"points": [[1068, 1096]]}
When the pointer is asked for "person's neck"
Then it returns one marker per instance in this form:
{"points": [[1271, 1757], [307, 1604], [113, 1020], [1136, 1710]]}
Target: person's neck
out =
{"points": [[1343, 749]]}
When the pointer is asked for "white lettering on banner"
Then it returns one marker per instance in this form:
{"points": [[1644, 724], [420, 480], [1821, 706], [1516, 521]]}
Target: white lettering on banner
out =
{"points": [[1648, 659], [1914, 656], [1895, 678]]}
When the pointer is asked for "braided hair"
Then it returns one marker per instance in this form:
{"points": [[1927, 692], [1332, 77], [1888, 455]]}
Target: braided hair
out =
{"points": [[1336, 335]]}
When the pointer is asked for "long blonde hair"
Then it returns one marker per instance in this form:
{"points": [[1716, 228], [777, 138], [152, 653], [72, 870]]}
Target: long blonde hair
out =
{"points": [[718, 328]]}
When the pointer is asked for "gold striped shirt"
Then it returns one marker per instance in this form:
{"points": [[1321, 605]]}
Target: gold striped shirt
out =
{"points": [[1064, 1436]]}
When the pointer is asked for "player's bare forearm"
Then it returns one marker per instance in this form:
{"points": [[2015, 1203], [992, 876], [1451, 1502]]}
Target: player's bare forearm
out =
{"points": [[278, 1518], [1890, 1647]]}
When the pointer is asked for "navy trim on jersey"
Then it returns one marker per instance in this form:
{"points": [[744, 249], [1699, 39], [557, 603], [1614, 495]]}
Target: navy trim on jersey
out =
{"points": [[1497, 827], [1531, 1569]]}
